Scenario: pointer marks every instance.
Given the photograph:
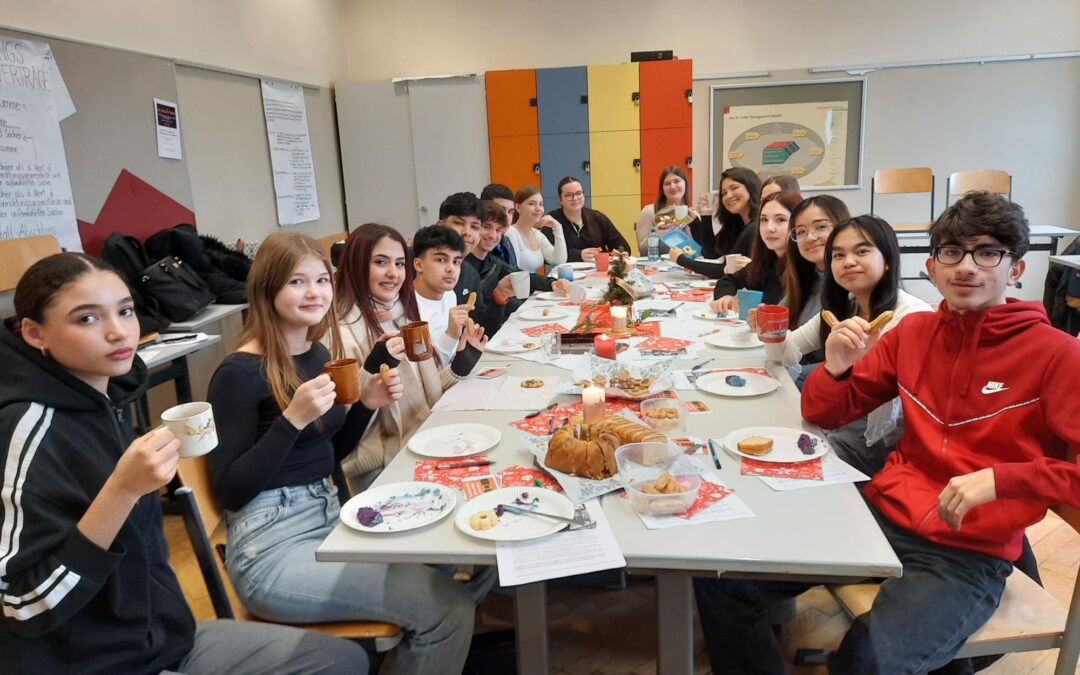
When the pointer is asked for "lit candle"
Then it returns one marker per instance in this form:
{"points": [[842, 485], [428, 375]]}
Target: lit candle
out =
{"points": [[618, 319], [592, 400], [605, 346]]}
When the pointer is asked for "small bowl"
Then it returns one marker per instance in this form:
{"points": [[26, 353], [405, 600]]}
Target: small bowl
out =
{"points": [[640, 464], [666, 415]]}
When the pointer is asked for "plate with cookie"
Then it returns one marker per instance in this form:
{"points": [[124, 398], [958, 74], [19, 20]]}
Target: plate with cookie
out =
{"points": [[454, 440], [775, 444], [736, 384], [513, 346], [544, 314], [515, 514], [398, 507]]}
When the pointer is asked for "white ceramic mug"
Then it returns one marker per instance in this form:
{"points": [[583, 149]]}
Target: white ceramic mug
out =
{"points": [[682, 211], [193, 425], [576, 293], [520, 282]]}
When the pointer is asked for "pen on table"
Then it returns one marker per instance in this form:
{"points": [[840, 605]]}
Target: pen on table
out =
{"points": [[702, 364], [463, 465], [184, 338], [709, 332], [712, 451]]}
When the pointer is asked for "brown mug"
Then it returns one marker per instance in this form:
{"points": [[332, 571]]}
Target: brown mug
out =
{"points": [[417, 341], [346, 376]]}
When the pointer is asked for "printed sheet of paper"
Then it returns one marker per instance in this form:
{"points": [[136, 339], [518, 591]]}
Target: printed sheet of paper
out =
{"points": [[731, 507], [167, 121], [290, 152], [834, 471], [509, 393], [562, 554]]}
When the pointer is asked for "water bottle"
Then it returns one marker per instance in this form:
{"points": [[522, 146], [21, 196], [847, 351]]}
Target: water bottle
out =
{"points": [[654, 245]]}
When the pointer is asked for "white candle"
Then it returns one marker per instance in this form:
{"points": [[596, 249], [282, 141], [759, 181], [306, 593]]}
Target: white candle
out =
{"points": [[592, 400], [618, 319]]}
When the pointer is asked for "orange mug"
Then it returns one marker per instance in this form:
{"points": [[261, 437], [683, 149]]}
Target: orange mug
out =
{"points": [[417, 341], [772, 321], [346, 376], [603, 260]]}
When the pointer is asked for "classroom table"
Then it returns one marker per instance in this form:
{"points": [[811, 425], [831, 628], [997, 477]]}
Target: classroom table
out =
{"points": [[205, 317], [168, 363], [816, 534], [1066, 260]]}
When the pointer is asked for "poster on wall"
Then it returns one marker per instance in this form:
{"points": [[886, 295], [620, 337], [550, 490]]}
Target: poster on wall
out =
{"points": [[806, 140], [290, 152], [167, 121], [35, 190]]}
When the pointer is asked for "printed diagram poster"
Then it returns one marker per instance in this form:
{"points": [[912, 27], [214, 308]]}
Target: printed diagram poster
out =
{"points": [[35, 191], [167, 121], [806, 140], [290, 152]]}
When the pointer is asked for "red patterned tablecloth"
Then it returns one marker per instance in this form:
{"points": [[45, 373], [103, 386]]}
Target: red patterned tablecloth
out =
{"points": [[425, 471], [526, 476], [805, 470]]}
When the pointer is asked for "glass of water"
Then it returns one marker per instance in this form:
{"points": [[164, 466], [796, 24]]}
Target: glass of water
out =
{"points": [[549, 343]]}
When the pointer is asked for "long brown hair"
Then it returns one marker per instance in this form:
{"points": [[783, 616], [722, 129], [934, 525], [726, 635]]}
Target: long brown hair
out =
{"points": [[732, 224], [800, 274], [520, 196], [660, 198], [763, 261], [351, 287], [274, 263]]}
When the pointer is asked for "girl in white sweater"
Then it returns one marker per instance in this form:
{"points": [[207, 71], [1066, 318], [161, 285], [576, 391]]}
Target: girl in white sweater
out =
{"points": [[533, 249]]}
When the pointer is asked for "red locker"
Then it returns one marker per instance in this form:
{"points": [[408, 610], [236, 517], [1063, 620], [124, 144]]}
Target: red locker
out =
{"points": [[663, 86], [659, 148]]}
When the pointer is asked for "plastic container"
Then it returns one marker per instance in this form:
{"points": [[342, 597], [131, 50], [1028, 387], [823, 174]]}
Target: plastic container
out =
{"points": [[666, 415], [641, 464]]}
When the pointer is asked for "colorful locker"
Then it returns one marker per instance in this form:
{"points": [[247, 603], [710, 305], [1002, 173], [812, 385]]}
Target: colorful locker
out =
{"points": [[563, 125], [512, 126]]}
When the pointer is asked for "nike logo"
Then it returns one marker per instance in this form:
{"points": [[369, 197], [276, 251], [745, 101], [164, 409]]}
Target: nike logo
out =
{"points": [[992, 387]]}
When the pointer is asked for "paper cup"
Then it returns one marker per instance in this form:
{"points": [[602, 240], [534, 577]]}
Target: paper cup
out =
{"points": [[772, 323], [748, 299], [193, 425], [681, 211], [520, 282], [729, 263]]}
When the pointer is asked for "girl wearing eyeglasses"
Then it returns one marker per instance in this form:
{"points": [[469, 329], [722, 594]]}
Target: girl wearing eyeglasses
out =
{"points": [[587, 231], [811, 223]]}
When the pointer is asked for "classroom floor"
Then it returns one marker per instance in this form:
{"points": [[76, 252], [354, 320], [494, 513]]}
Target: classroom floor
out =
{"points": [[599, 631]]}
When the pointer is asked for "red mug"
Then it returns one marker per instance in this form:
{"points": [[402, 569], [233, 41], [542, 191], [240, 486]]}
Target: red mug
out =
{"points": [[772, 321], [603, 260]]}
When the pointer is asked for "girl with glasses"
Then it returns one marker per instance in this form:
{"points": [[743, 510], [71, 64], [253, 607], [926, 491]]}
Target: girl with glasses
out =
{"points": [[587, 231]]}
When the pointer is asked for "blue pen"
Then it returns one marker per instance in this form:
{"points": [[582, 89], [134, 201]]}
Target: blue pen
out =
{"points": [[702, 364], [712, 451]]}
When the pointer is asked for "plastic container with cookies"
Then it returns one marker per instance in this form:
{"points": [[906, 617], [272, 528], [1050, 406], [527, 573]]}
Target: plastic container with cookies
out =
{"points": [[666, 415], [660, 479]]}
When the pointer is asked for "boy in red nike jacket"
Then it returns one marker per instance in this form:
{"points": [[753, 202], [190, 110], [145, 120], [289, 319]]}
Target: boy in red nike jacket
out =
{"points": [[989, 421]]}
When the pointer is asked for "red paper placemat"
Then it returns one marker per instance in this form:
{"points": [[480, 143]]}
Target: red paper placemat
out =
{"points": [[544, 329], [693, 295], [540, 425], [526, 476], [425, 470], [805, 470], [707, 495], [665, 344]]}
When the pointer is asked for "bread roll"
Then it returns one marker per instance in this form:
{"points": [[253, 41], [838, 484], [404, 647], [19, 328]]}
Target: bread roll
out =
{"points": [[756, 445]]}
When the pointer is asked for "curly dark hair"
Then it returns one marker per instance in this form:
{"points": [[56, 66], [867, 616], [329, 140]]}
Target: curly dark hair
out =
{"points": [[978, 213]]}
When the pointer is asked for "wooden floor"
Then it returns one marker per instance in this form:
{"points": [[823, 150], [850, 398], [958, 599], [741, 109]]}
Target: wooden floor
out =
{"points": [[597, 631]]}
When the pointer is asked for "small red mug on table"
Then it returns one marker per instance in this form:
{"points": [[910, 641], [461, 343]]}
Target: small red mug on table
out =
{"points": [[772, 321]]}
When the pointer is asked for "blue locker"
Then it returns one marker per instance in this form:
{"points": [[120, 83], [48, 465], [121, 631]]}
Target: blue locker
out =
{"points": [[560, 95], [563, 155]]}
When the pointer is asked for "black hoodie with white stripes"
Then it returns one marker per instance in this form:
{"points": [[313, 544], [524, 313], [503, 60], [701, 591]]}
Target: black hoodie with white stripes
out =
{"points": [[69, 606]]}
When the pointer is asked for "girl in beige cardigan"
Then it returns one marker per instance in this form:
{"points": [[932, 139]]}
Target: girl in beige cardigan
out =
{"points": [[375, 291]]}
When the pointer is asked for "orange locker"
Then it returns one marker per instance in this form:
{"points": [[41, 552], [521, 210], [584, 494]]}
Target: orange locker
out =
{"points": [[659, 148], [513, 160], [511, 102], [663, 86]]}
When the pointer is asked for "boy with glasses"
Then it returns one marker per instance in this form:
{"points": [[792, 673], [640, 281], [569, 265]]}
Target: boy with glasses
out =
{"points": [[990, 417]]}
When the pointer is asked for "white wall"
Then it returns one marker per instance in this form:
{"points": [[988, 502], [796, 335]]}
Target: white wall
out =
{"points": [[425, 37], [286, 39]]}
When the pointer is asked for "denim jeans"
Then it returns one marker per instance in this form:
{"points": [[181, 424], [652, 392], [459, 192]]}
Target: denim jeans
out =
{"points": [[271, 561], [917, 623]]}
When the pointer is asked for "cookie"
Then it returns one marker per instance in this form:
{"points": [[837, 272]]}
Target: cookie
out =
{"points": [[829, 318], [532, 383], [472, 299], [882, 319], [483, 520], [384, 373]]}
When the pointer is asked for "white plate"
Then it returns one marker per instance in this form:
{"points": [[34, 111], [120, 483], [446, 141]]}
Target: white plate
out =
{"points": [[513, 346], [537, 314], [756, 385], [581, 265], [709, 315], [785, 448], [740, 339], [455, 440], [552, 295], [711, 283], [513, 526], [403, 506]]}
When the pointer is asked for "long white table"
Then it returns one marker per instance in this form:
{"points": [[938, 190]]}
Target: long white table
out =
{"points": [[1066, 260], [816, 534]]}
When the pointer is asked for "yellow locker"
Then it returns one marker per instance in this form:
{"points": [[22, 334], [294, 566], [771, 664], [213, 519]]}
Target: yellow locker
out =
{"points": [[614, 159], [623, 210], [613, 98]]}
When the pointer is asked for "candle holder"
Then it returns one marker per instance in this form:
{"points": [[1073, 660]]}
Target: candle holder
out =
{"points": [[592, 404], [619, 319]]}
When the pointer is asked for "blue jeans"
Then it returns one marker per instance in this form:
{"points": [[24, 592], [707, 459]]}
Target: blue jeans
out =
{"points": [[917, 623], [271, 561]]}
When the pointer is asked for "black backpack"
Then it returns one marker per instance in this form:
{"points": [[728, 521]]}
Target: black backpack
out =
{"points": [[184, 243], [126, 254], [1063, 284]]}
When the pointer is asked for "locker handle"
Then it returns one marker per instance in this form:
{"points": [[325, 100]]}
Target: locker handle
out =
{"points": [[536, 168], [689, 95], [689, 161], [637, 163], [635, 97], [532, 103], [585, 99], [586, 166]]}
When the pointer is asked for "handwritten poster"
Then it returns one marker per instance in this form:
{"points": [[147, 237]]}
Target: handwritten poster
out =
{"points": [[290, 152], [35, 191]]}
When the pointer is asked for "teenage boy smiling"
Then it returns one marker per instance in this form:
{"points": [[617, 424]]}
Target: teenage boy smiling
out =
{"points": [[437, 255], [989, 415]]}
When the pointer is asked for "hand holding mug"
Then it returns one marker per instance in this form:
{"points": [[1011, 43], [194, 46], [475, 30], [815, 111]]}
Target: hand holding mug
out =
{"points": [[147, 464], [310, 401], [589, 254], [751, 319], [560, 286]]}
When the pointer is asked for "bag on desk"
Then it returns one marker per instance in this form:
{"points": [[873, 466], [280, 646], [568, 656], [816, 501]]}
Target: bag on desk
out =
{"points": [[126, 254], [180, 292]]}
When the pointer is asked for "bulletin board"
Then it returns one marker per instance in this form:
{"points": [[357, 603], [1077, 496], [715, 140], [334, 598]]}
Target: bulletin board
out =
{"points": [[812, 130]]}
